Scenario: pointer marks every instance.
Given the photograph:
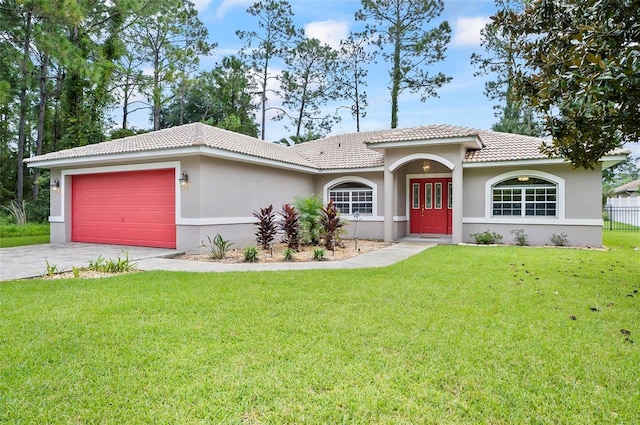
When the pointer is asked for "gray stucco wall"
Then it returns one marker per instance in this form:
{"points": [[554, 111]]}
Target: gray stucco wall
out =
{"points": [[582, 206], [222, 195], [368, 227]]}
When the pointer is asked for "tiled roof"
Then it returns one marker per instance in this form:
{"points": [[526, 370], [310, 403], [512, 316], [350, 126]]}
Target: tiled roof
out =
{"points": [[422, 133], [505, 147], [342, 151], [335, 152], [633, 186], [196, 134]]}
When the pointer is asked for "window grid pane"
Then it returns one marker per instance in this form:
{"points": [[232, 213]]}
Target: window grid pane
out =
{"points": [[438, 195], [428, 198], [348, 201], [536, 201]]}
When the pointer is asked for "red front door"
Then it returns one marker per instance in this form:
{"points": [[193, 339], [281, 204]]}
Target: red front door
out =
{"points": [[430, 205]]}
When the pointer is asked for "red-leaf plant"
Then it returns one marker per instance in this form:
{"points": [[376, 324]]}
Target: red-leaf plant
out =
{"points": [[290, 225], [332, 226], [267, 226]]}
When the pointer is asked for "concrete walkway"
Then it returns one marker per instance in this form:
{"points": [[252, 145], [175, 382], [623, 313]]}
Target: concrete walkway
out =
{"points": [[30, 261], [379, 258]]}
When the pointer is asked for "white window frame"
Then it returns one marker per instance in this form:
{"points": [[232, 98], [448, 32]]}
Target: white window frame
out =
{"points": [[525, 219], [360, 180]]}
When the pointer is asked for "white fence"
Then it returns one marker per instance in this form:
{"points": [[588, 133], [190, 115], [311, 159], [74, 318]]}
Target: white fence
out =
{"points": [[624, 202], [623, 213]]}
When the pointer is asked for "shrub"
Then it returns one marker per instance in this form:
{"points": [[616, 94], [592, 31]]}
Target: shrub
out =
{"points": [[520, 238], [310, 209], [251, 254], [290, 225], [51, 268], [318, 254], [217, 247], [559, 239], [118, 265], [486, 238], [267, 227], [332, 226], [17, 211], [288, 254]]}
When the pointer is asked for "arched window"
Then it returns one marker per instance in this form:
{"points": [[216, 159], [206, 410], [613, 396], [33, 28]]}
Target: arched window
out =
{"points": [[524, 196], [351, 197]]}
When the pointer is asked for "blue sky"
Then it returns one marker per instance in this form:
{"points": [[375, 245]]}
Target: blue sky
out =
{"points": [[461, 102]]}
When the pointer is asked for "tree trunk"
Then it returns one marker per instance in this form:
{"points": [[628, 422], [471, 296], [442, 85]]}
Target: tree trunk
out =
{"points": [[397, 76], [264, 99], [156, 91], [357, 103], [42, 109], [24, 68], [125, 104], [302, 103]]}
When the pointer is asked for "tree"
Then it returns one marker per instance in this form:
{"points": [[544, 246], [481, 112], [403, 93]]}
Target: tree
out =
{"points": [[620, 174], [500, 62], [172, 39], [221, 97], [275, 37], [352, 73], [129, 80], [517, 121], [403, 25], [580, 70], [307, 86]]}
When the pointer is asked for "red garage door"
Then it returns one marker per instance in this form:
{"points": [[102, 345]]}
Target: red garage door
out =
{"points": [[128, 208]]}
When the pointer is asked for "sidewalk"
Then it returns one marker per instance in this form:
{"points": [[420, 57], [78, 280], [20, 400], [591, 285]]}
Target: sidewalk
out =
{"points": [[379, 258]]}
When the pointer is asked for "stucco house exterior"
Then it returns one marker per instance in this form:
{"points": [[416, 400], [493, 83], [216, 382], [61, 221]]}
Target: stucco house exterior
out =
{"points": [[175, 187], [631, 189]]}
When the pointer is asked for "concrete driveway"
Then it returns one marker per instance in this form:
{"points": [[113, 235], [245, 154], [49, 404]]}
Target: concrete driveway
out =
{"points": [[30, 261]]}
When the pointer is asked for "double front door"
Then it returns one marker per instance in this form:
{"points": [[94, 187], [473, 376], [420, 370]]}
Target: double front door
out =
{"points": [[431, 205]]}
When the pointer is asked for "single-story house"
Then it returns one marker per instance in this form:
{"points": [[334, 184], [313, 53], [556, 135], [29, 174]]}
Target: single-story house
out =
{"points": [[174, 187], [631, 189]]}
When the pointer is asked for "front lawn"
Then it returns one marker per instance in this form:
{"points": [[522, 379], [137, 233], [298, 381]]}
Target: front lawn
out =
{"points": [[28, 234], [458, 334]]}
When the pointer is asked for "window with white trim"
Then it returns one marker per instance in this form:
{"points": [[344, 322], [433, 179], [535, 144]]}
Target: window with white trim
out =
{"points": [[526, 197], [351, 197]]}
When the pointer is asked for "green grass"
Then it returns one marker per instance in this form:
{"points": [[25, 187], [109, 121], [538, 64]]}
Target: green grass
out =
{"points": [[458, 334], [29, 234]]}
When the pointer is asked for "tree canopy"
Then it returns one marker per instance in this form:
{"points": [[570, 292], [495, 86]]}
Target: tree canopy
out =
{"points": [[581, 70], [414, 45]]}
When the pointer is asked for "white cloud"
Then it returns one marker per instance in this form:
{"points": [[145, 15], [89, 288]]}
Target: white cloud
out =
{"points": [[330, 31], [467, 31], [228, 4], [201, 5]]}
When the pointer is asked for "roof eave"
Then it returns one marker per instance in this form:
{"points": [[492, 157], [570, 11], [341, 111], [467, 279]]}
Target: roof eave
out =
{"points": [[163, 155], [610, 161], [512, 162], [470, 142]]}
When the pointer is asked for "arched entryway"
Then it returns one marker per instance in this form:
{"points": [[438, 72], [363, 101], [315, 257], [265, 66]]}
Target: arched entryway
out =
{"points": [[428, 183]]}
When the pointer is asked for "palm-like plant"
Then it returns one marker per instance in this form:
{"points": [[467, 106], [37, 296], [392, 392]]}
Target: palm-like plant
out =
{"points": [[310, 209]]}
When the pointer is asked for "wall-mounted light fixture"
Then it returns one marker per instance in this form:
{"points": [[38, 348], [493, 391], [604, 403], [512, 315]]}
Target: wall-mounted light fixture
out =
{"points": [[184, 178], [426, 166], [523, 178], [55, 184]]}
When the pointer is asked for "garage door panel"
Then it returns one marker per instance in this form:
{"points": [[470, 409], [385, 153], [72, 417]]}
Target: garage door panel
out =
{"points": [[128, 208]]}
